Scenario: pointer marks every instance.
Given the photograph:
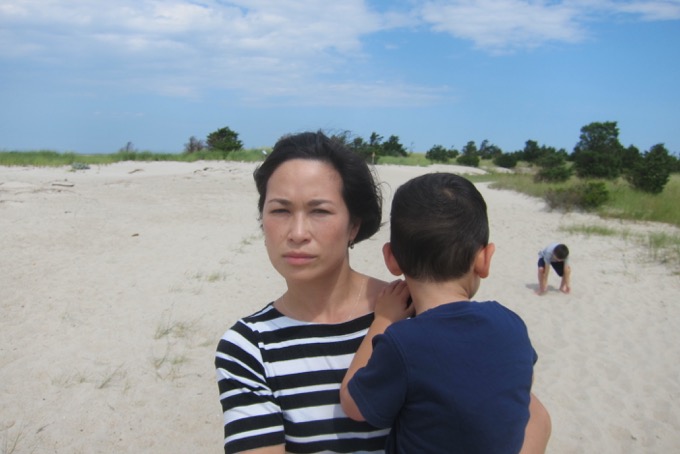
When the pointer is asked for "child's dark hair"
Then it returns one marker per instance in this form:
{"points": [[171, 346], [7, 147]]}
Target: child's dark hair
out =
{"points": [[438, 224], [359, 190], [561, 251]]}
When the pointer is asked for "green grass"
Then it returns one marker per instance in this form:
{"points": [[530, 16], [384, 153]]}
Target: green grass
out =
{"points": [[413, 159], [627, 203], [48, 158], [589, 230], [624, 202]]}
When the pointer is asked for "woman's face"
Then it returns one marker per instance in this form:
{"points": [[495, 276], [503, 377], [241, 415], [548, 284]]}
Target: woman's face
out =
{"points": [[305, 220]]}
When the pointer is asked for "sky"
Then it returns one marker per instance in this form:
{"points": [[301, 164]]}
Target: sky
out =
{"points": [[89, 76]]}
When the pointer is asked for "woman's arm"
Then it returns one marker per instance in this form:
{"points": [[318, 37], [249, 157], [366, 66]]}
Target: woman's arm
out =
{"points": [[252, 419], [279, 449], [539, 427]]}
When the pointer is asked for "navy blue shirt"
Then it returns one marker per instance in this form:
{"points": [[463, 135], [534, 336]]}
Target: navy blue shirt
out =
{"points": [[456, 378]]}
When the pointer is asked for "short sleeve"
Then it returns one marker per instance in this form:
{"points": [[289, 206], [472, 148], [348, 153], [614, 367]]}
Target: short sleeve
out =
{"points": [[252, 417], [379, 388]]}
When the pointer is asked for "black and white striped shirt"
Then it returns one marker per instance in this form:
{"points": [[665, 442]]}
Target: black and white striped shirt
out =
{"points": [[279, 382]]}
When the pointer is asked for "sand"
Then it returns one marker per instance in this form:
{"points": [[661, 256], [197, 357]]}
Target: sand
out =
{"points": [[116, 283]]}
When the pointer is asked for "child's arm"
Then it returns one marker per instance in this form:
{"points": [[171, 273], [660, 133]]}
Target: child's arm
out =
{"points": [[565, 286], [391, 306]]}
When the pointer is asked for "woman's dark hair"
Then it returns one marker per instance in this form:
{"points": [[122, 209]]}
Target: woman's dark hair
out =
{"points": [[359, 189]]}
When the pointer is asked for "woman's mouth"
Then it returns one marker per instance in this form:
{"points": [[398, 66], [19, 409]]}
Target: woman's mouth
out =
{"points": [[297, 258]]}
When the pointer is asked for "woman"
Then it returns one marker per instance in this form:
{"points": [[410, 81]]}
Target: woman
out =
{"points": [[279, 370]]}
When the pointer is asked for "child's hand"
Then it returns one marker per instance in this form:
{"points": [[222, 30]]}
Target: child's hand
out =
{"points": [[393, 302]]}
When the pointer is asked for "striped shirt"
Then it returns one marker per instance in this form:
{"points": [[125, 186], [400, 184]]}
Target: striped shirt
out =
{"points": [[279, 381]]}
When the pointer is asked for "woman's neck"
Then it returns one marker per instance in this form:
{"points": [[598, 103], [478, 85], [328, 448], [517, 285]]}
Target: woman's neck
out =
{"points": [[333, 300]]}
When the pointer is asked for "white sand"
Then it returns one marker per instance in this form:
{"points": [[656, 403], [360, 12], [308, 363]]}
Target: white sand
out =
{"points": [[116, 283]]}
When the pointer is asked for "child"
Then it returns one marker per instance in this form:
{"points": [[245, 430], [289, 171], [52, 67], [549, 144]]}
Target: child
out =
{"points": [[456, 377], [557, 255]]}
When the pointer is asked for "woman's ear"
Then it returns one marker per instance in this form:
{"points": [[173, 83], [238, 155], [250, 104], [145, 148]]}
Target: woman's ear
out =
{"points": [[390, 261], [483, 260], [353, 232]]}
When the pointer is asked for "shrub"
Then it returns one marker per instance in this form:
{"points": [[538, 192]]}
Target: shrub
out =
{"points": [[440, 154], [468, 160], [593, 194], [553, 174], [469, 155], [553, 169], [506, 160], [437, 154], [586, 196]]}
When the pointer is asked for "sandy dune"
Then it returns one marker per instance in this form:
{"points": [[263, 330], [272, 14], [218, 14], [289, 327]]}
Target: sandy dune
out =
{"points": [[116, 283]]}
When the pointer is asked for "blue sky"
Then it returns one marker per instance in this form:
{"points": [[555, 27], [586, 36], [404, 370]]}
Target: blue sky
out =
{"points": [[90, 76]]}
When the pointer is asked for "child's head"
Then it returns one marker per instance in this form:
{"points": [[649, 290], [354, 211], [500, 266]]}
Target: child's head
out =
{"points": [[438, 225], [561, 252]]}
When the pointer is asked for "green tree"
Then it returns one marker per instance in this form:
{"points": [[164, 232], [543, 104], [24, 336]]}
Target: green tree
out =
{"points": [[652, 171], [469, 155], [488, 150], [532, 152], [375, 139], [598, 154], [675, 163], [393, 147], [355, 143], [362, 148], [374, 149], [629, 158], [225, 140], [440, 154]]}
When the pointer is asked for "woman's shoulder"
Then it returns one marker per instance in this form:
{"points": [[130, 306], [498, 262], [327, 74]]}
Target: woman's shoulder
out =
{"points": [[266, 313], [251, 327], [373, 288]]}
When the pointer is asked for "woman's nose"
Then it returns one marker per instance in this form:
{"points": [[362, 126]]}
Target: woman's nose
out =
{"points": [[299, 229]]}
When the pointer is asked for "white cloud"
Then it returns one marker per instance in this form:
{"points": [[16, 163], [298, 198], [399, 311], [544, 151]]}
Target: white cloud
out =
{"points": [[505, 25], [651, 10], [261, 49], [500, 26], [203, 43]]}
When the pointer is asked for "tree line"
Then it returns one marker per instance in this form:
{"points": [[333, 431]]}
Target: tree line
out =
{"points": [[597, 155]]}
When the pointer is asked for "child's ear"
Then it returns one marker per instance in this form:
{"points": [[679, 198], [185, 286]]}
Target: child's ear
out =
{"points": [[390, 261], [483, 260]]}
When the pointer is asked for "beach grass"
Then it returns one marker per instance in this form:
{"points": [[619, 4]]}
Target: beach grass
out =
{"points": [[589, 230], [624, 202], [48, 158]]}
